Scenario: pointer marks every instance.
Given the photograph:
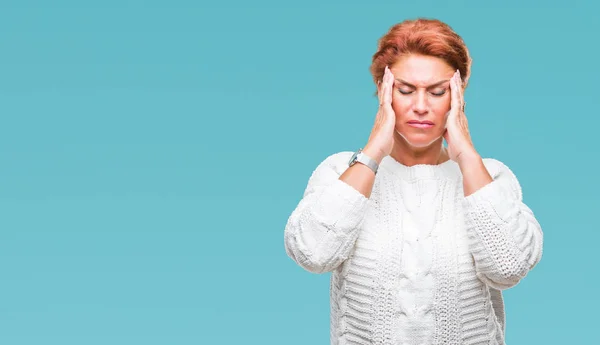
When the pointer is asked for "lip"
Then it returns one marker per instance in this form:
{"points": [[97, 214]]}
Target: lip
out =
{"points": [[420, 124]]}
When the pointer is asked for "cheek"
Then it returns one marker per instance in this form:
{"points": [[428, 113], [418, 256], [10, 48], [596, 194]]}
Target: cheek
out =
{"points": [[442, 104], [401, 106], [440, 107]]}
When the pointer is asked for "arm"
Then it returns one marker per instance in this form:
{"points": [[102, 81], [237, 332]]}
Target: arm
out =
{"points": [[505, 238], [321, 231]]}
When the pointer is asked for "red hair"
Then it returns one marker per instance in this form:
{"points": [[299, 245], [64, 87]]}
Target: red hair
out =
{"points": [[422, 36]]}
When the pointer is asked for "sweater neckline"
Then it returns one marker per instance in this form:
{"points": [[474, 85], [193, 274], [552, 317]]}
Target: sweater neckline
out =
{"points": [[437, 171]]}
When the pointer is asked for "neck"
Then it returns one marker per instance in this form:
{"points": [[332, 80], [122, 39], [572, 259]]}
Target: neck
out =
{"points": [[409, 155]]}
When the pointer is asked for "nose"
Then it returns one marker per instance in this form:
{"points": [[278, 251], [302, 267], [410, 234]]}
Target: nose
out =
{"points": [[420, 105]]}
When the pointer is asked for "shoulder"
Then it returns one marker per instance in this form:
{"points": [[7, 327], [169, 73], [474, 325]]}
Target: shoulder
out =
{"points": [[503, 174]]}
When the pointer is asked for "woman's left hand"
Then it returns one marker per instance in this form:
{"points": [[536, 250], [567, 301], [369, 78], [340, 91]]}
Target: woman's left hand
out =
{"points": [[457, 134]]}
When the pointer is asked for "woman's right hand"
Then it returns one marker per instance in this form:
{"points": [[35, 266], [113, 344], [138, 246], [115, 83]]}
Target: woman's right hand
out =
{"points": [[381, 140]]}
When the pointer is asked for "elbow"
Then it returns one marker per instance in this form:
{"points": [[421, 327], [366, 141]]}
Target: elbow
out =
{"points": [[315, 255], [508, 274], [315, 265], [501, 280], [323, 263], [512, 264], [321, 232], [523, 259], [299, 254]]}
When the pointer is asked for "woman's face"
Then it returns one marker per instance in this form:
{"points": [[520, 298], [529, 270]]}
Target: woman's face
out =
{"points": [[421, 94]]}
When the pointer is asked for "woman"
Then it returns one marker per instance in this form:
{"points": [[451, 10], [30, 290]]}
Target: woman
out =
{"points": [[420, 239]]}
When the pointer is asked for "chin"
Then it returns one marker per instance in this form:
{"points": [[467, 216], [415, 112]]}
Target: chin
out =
{"points": [[419, 140]]}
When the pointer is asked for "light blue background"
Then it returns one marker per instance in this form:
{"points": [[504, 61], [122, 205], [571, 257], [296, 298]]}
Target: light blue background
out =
{"points": [[152, 151]]}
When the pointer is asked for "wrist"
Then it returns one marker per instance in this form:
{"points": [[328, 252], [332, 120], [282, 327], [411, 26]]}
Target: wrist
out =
{"points": [[373, 154], [467, 159]]}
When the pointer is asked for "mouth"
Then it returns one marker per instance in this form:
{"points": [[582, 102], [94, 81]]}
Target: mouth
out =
{"points": [[420, 124]]}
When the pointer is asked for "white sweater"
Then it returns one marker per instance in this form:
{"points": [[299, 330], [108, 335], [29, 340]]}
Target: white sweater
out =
{"points": [[417, 262]]}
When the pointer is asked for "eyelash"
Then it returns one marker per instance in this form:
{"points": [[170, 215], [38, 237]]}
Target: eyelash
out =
{"points": [[435, 94]]}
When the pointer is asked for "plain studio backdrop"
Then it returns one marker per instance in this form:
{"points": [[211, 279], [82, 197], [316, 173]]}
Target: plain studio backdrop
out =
{"points": [[151, 153]]}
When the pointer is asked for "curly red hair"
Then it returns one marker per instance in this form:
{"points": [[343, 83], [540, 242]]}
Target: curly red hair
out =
{"points": [[422, 36]]}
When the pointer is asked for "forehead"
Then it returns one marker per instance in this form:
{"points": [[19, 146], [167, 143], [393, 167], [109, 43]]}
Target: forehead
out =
{"points": [[421, 70]]}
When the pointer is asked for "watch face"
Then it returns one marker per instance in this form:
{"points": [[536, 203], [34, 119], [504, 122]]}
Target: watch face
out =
{"points": [[353, 159]]}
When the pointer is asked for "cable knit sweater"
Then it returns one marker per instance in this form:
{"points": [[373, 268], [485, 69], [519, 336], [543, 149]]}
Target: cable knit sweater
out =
{"points": [[417, 262]]}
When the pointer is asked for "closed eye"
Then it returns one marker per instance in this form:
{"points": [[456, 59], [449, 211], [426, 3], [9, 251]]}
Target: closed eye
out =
{"points": [[437, 93]]}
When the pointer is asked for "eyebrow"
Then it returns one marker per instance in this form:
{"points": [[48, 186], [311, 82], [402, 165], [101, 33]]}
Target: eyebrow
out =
{"points": [[428, 87]]}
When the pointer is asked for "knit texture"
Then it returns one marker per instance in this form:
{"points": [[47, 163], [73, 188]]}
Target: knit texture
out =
{"points": [[417, 262]]}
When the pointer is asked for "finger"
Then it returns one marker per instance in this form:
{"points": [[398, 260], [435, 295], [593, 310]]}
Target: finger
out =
{"points": [[455, 95], [386, 81], [390, 88], [380, 87], [459, 88]]}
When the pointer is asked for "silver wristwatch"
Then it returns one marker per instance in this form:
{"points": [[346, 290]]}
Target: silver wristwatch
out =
{"points": [[360, 157]]}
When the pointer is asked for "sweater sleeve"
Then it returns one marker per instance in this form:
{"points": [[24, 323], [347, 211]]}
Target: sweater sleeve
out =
{"points": [[505, 238], [321, 231]]}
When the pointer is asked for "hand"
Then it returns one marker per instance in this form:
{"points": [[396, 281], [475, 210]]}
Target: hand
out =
{"points": [[381, 140], [457, 130]]}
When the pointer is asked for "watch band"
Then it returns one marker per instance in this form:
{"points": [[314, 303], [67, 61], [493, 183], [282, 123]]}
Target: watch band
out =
{"points": [[360, 157]]}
